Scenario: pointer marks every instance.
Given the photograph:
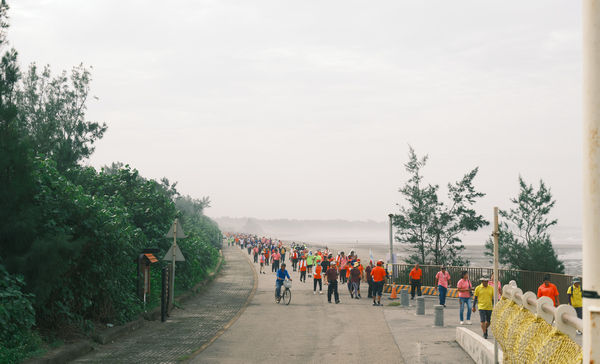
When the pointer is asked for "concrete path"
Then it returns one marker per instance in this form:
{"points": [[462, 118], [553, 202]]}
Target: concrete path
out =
{"points": [[309, 330], [190, 328], [422, 342]]}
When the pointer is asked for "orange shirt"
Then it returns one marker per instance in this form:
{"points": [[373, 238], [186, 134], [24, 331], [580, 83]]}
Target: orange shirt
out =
{"points": [[348, 269], [318, 272], [550, 291], [416, 273], [378, 273]]}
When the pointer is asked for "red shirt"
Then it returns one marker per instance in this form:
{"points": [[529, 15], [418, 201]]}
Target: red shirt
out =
{"points": [[378, 274], [550, 291], [416, 273]]}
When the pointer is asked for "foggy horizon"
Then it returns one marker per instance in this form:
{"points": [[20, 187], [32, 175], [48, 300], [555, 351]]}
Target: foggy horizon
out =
{"points": [[306, 111]]}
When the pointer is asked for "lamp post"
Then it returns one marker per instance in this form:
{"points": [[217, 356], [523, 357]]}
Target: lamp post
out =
{"points": [[391, 261]]}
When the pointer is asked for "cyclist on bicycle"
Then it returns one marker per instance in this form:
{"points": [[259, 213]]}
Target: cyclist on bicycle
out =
{"points": [[282, 274]]}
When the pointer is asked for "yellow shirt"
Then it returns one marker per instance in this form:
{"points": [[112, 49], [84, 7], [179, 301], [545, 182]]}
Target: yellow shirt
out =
{"points": [[576, 299], [485, 297]]}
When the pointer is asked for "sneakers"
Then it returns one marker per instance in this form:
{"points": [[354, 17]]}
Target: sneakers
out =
{"points": [[462, 322], [314, 292], [578, 332], [336, 302], [320, 292], [468, 322], [374, 303], [330, 301], [485, 335]]}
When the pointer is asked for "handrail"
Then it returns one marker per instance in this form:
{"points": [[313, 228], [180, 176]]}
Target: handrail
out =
{"points": [[564, 316]]}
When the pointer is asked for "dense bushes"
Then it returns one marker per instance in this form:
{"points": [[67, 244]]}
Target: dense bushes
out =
{"points": [[16, 319], [70, 235]]}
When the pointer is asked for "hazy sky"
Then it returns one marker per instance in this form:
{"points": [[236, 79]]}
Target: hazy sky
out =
{"points": [[305, 109]]}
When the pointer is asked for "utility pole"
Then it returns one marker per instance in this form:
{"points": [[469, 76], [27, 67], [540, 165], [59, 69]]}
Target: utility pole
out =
{"points": [[391, 261], [591, 181], [496, 277]]}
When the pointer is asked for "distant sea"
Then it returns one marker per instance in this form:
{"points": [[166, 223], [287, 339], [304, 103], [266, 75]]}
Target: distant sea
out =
{"points": [[566, 242]]}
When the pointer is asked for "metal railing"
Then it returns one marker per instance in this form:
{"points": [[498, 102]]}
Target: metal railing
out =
{"points": [[526, 280], [564, 316]]}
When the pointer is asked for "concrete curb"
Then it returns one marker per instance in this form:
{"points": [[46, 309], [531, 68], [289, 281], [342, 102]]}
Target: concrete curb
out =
{"points": [[107, 336], [233, 319], [478, 348], [63, 354]]}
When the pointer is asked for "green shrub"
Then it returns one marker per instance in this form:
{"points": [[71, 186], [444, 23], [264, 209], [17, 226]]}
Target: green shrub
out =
{"points": [[17, 317]]}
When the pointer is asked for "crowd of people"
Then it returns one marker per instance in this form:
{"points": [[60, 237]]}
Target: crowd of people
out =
{"points": [[321, 265], [325, 267]]}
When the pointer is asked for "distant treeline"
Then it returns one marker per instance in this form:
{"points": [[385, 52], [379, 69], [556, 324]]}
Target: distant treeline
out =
{"points": [[70, 234]]}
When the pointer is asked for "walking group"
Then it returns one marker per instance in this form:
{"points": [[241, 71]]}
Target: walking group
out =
{"points": [[318, 265], [325, 268]]}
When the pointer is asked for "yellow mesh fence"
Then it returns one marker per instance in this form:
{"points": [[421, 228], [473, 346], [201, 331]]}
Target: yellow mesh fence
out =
{"points": [[525, 338]]}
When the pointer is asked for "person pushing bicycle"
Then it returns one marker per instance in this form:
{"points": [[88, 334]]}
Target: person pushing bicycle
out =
{"points": [[282, 274]]}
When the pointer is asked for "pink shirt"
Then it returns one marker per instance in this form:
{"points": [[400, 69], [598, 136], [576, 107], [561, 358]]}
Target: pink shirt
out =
{"points": [[276, 256], [464, 284], [442, 278], [491, 283]]}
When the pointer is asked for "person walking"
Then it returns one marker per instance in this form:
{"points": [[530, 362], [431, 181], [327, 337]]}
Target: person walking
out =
{"points": [[294, 259], [310, 261], [262, 263], [549, 290], [275, 265], [255, 253], [575, 298], [355, 281], [282, 253], [343, 263], [465, 289], [415, 281], [317, 279], [443, 280], [332, 280], [302, 268], [491, 283], [378, 274], [369, 279], [484, 301]]}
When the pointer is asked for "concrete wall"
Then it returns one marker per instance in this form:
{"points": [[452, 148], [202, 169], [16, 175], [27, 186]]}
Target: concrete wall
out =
{"points": [[480, 349]]}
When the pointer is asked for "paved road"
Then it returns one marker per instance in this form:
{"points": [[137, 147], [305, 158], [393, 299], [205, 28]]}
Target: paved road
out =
{"points": [[188, 329], [309, 330]]}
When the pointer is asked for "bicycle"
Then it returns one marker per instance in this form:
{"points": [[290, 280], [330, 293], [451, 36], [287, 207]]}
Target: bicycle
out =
{"points": [[286, 295]]}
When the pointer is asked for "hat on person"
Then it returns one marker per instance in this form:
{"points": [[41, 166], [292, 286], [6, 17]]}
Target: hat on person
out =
{"points": [[355, 264], [484, 279], [576, 280], [380, 262]]}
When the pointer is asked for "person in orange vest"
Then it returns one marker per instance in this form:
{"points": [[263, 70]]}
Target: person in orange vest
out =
{"points": [[317, 279], [302, 267], [415, 281], [348, 268], [378, 274], [294, 259]]}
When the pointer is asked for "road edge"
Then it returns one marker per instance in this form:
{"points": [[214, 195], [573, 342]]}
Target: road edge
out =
{"points": [[233, 319]]}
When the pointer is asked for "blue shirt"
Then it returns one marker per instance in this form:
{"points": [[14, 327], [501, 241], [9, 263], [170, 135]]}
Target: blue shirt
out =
{"points": [[282, 274]]}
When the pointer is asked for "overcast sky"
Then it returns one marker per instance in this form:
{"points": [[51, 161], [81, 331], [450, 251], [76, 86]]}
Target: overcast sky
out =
{"points": [[305, 109]]}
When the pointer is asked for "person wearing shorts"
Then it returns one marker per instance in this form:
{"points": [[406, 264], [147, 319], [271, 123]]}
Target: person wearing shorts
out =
{"points": [[484, 301], [378, 274], [262, 263]]}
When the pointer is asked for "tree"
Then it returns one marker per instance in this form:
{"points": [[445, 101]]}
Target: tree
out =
{"points": [[451, 221], [434, 228], [524, 242], [52, 111]]}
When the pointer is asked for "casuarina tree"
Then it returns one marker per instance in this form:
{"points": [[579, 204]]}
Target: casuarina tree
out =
{"points": [[524, 241], [433, 228]]}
